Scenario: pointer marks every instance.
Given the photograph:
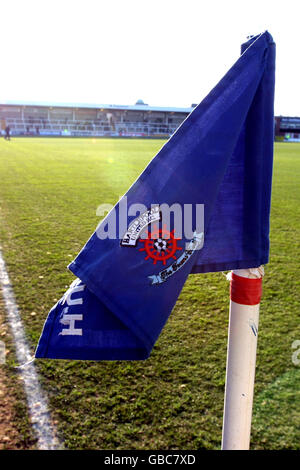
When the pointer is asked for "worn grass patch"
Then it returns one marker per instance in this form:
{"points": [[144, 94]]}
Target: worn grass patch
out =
{"points": [[50, 190]]}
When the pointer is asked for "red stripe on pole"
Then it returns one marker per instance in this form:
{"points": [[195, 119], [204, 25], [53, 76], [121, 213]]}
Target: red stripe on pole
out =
{"points": [[245, 291]]}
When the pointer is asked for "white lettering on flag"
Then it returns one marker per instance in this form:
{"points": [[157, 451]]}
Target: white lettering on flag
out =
{"points": [[70, 321], [72, 289], [137, 226]]}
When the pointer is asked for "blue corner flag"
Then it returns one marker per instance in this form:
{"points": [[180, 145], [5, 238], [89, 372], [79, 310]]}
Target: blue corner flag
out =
{"points": [[220, 158]]}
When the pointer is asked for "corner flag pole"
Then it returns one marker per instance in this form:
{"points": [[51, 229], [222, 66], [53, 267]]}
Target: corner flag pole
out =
{"points": [[245, 294]]}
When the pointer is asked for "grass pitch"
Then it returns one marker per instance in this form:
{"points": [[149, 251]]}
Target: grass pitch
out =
{"points": [[49, 192]]}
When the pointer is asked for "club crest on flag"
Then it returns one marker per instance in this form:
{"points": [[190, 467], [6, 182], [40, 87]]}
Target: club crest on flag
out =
{"points": [[137, 226], [195, 244], [160, 245]]}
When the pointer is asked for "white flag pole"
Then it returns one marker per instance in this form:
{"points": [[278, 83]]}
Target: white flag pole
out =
{"points": [[246, 285]]}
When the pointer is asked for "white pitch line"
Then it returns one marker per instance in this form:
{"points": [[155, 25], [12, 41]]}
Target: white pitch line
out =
{"points": [[36, 398]]}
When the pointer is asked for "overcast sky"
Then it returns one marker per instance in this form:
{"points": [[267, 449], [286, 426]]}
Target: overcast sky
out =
{"points": [[165, 52]]}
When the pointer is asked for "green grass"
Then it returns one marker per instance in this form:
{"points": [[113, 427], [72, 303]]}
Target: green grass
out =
{"points": [[49, 192]]}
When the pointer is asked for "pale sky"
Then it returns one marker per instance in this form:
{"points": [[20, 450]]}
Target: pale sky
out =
{"points": [[165, 52]]}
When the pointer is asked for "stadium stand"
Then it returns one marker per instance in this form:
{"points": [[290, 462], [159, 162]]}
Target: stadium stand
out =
{"points": [[139, 120], [287, 128], [46, 119]]}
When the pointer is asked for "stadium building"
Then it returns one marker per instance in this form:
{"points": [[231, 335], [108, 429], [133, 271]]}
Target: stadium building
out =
{"points": [[287, 128], [139, 120], [48, 119]]}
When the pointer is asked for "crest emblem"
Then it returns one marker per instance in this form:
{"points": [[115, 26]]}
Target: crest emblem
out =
{"points": [[160, 245]]}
